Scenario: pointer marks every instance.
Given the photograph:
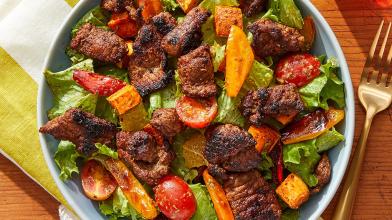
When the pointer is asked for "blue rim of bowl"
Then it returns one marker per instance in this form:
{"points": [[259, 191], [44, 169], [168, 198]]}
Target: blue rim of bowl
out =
{"points": [[350, 109]]}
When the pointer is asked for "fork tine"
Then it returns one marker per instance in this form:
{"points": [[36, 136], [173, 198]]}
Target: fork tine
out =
{"points": [[384, 43]]}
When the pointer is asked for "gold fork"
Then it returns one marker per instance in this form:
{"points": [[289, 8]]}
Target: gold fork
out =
{"points": [[375, 94]]}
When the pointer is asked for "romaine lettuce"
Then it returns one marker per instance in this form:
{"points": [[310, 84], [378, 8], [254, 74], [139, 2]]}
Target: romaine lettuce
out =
{"points": [[210, 4], [96, 16], [65, 158], [67, 94], [265, 166], [218, 54], [169, 5], [290, 214], [259, 76], [286, 12], [105, 150], [118, 207], [328, 140], [228, 112], [205, 209]]}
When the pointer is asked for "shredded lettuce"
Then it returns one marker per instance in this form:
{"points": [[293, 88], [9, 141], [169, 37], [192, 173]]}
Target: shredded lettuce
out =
{"points": [[205, 209], [328, 140], [96, 16], [324, 88], [302, 158], [265, 166], [105, 150], [170, 5], [210, 4], [118, 207], [65, 158], [67, 94], [178, 165], [286, 12]]}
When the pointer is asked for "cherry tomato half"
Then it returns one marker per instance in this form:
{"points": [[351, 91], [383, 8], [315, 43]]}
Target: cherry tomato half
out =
{"points": [[196, 113], [174, 198], [98, 184], [299, 69]]}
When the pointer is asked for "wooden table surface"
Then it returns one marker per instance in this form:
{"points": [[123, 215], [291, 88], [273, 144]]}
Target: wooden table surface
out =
{"points": [[354, 23]]}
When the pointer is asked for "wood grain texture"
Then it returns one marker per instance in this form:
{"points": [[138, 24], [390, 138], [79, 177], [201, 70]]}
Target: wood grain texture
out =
{"points": [[354, 23]]}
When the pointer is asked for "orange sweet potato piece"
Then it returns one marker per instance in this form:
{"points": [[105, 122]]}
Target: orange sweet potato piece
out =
{"points": [[123, 25], [266, 137], [311, 126], [218, 197], [239, 60], [125, 99], [285, 119], [150, 8], [187, 5], [309, 31], [225, 17]]}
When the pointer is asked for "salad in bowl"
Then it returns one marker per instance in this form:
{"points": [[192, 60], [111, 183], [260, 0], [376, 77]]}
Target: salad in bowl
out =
{"points": [[177, 109]]}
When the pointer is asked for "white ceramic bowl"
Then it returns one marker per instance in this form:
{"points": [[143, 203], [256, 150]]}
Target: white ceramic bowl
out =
{"points": [[325, 43]]}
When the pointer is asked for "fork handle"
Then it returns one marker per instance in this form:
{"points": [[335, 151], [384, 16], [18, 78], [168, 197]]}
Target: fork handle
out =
{"points": [[345, 205]]}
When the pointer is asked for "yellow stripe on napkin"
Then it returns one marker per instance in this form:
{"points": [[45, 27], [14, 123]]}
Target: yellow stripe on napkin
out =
{"points": [[18, 124]]}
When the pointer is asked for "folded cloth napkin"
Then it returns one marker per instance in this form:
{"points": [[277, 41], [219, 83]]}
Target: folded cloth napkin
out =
{"points": [[26, 30]]}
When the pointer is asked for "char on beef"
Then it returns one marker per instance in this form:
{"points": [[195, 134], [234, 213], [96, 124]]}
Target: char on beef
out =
{"points": [[271, 38], [148, 63], [99, 44], [196, 73], [187, 35], [230, 149], [167, 122], [263, 103], [252, 7], [83, 129], [148, 160], [116, 5], [323, 173], [251, 197]]}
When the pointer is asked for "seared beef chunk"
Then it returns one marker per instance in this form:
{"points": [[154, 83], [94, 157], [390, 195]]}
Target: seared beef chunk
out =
{"points": [[272, 101], [271, 38], [116, 5], [99, 44], [251, 197], [230, 148], [196, 73], [323, 173], [83, 129], [167, 122], [148, 160], [187, 35], [164, 22], [252, 7], [148, 62]]}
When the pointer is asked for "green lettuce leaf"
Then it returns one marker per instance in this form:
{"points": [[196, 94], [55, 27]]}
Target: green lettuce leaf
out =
{"points": [[178, 165], [170, 5], [75, 56], [65, 158], [301, 159], [324, 88], [118, 207], [228, 112], [209, 35], [259, 76], [265, 166], [121, 74], [210, 4], [286, 12], [104, 110], [105, 150], [328, 140], [96, 16], [218, 54], [205, 209], [67, 94], [290, 214]]}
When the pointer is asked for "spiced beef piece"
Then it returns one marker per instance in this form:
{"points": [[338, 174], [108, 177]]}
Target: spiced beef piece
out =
{"points": [[187, 35], [258, 105], [164, 22], [167, 122], [251, 197], [323, 173], [116, 5], [271, 38], [83, 129], [196, 73], [252, 7], [148, 160], [230, 148], [99, 44], [148, 63]]}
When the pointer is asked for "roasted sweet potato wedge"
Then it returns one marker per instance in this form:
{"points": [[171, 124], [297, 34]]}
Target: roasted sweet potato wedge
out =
{"points": [[225, 17], [266, 137]]}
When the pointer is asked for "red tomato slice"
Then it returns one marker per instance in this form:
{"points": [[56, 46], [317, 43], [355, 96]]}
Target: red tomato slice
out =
{"points": [[196, 113], [98, 184], [98, 84], [174, 198], [299, 69]]}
